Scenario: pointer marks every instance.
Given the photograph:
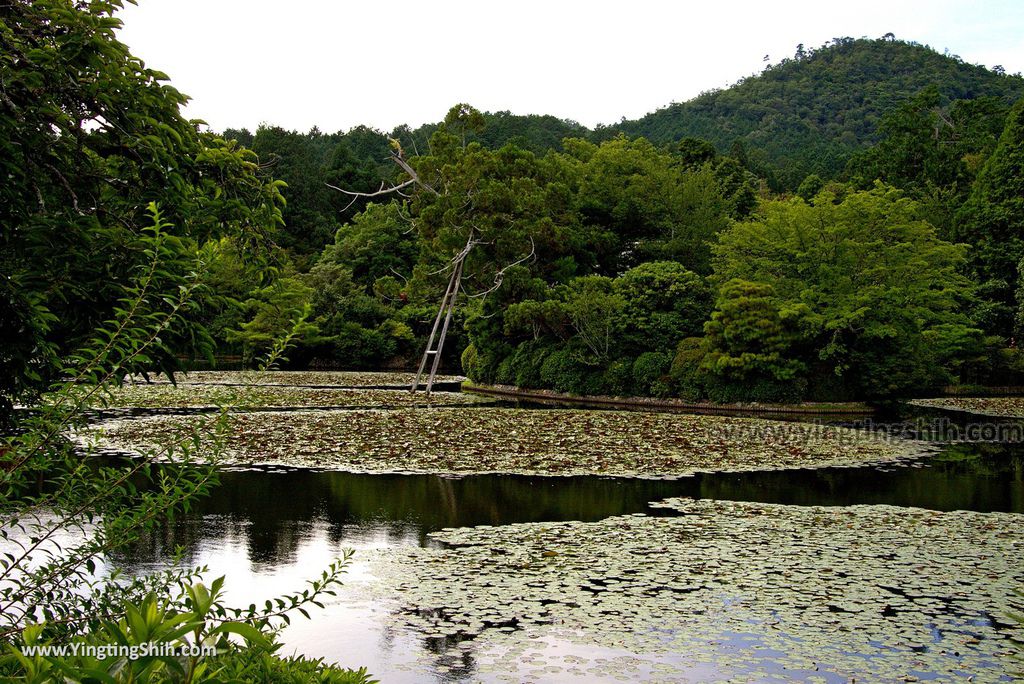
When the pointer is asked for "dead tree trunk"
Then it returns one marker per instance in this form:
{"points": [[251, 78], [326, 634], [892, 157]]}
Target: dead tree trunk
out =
{"points": [[445, 312]]}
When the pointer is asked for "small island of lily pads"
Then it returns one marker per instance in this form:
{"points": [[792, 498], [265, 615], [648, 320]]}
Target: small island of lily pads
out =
{"points": [[480, 439]]}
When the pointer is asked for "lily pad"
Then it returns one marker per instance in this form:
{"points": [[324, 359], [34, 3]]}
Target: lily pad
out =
{"points": [[546, 442], [1004, 407], [729, 591], [165, 395], [297, 378]]}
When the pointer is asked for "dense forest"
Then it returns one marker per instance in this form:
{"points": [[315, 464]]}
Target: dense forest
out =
{"points": [[846, 224], [809, 113], [651, 269]]}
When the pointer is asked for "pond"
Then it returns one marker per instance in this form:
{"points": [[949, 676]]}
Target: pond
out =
{"points": [[722, 549], [270, 529]]}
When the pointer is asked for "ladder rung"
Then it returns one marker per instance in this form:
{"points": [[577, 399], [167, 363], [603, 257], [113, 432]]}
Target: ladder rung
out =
{"points": [[431, 351]]}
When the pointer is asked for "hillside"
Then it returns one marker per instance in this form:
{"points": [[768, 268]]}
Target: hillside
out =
{"points": [[535, 132], [804, 115], [807, 114]]}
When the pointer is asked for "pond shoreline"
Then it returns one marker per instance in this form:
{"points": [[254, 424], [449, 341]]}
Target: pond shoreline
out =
{"points": [[983, 407], [650, 404]]}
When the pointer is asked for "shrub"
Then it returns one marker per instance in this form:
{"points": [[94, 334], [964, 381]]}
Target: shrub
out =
{"points": [[686, 373], [194, 619], [471, 363], [563, 372], [526, 363], [592, 382], [504, 375], [663, 303], [357, 347], [650, 371], [618, 377]]}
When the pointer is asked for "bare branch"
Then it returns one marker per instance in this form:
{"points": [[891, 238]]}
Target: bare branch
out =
{"points": [[414, 179], [413, 176], [500, 275], [365, 195], [405, 280]]}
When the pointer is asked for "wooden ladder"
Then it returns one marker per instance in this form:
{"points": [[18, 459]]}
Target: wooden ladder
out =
{"points": [[445, 312]]}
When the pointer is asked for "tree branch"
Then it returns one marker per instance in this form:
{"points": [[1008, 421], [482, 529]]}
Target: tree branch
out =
{"points": [[365, 195], [500, 275]]}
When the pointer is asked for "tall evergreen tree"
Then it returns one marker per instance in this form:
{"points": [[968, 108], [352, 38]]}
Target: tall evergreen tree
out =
{"points": [[992, 221]]}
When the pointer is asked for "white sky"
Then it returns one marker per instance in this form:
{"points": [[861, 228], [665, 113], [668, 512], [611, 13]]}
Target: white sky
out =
{"points": [[300, 63]]}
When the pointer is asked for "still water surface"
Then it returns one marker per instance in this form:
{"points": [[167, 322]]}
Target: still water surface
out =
{"points": [[270, 530]]}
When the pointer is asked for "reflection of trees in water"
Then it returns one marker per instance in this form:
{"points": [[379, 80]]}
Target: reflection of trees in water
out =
{"points": [[436, 502], [979, 477], [273, 513], [446, 648]]}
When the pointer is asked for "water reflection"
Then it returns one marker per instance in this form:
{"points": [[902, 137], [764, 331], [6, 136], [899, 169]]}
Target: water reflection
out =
{"points": [[270, 530], [257, 504], [273, 512]]}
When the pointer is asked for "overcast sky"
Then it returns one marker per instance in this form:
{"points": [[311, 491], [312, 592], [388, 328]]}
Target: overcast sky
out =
{"points": [[300, 63]]}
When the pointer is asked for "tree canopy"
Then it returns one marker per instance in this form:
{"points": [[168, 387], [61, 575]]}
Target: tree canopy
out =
{"points": [[860, 295], [596, 260], [90, 140]]}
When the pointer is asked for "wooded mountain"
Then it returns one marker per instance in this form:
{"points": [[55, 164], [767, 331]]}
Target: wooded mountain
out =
{"points": [[805, 114], [808, 113]]}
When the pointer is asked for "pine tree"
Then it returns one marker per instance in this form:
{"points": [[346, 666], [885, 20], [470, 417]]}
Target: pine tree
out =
{"points": [[992, 221]]}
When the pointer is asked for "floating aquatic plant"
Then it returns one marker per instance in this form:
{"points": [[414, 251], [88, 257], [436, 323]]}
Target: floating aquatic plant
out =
{"points": [[725, 591], [551, 442], [296, 378], [165, 395], [1005, 407]]}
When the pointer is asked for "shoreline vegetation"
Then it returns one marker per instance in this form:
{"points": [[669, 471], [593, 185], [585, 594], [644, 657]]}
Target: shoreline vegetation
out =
{"points": [[857, 408]]}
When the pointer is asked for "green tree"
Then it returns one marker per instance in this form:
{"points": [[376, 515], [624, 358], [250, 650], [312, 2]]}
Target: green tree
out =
{"points": [[647, 202], [98, 282], [932, 152], [910, 154], [751, 345], [357, 329], [271, 312], [301, 161], [662, 303], [379, 242], [89, 138], [593, 309], [992, 221], [878, 291], [810, 187], [230, 278]]}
